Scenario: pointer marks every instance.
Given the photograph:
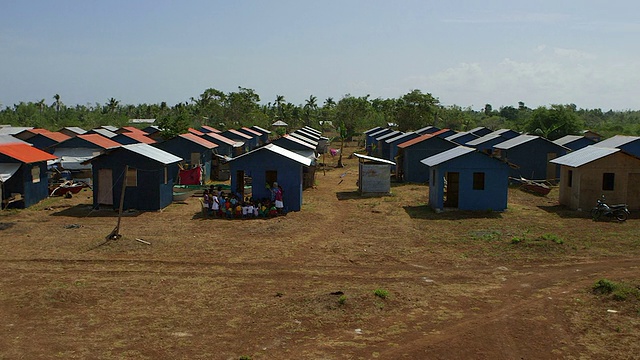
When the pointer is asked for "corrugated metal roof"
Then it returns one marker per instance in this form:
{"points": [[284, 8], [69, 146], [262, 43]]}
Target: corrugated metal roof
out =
{"points": [[75, 129], [109, 128], [210, 129], [460, 134], [380, 132], [399, 137], [567, 139], [140, 137], [299, 136], [198, 140], [132, 129], [584, 156], [12, 130], [308, 134], [25, 153], [55, 136], [104, 132], [617, 141], [154, 153], [251, 131], [240, 134], [280, 151], [297, 141], [374, 159], [223, 139], [479, 128], [7, 170], [372, 130], [483, 139], [420, 138], [447, 155], [389, 135], [8, 139], [279, 123], [194, 131], [264, 131], [426, 128], [518, 140], [99, 140], [309, 128]]}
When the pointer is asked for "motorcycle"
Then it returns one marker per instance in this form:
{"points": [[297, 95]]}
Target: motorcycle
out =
{"points": [[619, 212]]}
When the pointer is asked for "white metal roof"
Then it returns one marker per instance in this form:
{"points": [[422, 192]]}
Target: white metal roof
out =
{"points": [[300, 136], [280, 151], [9, 139], [483, 139], [7, 170], [398, 137], [447, 155], [567, 139], [618, 140], [518, 140], [584, 156], [375, 159], [154, 153]]}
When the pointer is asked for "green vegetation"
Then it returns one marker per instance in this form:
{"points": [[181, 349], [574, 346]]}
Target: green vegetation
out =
{"points": [[552, 237], [618, 291], [350, 115], [342, 299], [381, 293]]}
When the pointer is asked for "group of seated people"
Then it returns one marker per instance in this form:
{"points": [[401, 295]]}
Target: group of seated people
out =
{"points": [[233, 206]]}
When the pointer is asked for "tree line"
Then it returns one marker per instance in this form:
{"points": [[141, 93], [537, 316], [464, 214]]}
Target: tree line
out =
{"points": [[348, 115]]}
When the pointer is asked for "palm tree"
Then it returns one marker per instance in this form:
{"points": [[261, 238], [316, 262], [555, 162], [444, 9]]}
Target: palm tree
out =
{"points": [[279, 103], [310, 108], [112, 105]]}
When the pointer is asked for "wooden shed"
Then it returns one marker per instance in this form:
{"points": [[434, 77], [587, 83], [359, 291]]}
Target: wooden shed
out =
{"points": [[465, 179], [593, 171], [149, 174], [374, 175]]}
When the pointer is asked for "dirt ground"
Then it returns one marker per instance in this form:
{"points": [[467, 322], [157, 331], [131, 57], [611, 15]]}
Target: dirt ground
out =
{"points": [[348, 277]]}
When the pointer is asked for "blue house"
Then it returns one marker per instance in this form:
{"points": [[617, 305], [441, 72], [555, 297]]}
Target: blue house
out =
{"points": [[574, 142], [137, 137], [193, 149], [379, 146], [226, 147], [474, 180], [480, 131], [235, 135], [149, 174], [630, 144], [296, 145], [256, 136], [409, 167], [395, 141], [370, 139], [23, 171], [268, 164], [529, 156], [46, 139], [506, 133], [462, 138], [485, 143], [427, 130]]}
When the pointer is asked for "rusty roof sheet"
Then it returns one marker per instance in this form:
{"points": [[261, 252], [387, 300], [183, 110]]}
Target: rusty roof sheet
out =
{"points": [[198, 140], [25, 153]]}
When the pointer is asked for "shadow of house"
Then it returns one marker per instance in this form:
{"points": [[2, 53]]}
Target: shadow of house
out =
{"points": [[531, 155], [593, 171], [463, 178], [268, 164], [145, 173], [427, 213], [194, 150], [23, 175], [409, 167]]}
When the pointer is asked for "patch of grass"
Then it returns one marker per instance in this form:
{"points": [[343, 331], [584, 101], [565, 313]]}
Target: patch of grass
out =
{"points": [[619, 291], [486, 235], [381, 293], [342, 299], [520, 239], [552, 237]]}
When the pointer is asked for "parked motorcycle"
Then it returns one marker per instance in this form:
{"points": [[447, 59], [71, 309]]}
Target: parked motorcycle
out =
{"points": [[619, 212]]}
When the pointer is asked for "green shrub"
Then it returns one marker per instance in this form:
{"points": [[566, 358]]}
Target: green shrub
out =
{"points": [[552, 237], [604, 286], [342, 299], [381, 293]]}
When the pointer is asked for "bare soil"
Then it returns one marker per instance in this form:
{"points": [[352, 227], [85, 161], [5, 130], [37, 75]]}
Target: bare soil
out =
{"points": [[458, 285]]}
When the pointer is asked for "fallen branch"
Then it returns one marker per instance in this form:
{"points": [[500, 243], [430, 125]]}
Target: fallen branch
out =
{"points": [[144, 242]]}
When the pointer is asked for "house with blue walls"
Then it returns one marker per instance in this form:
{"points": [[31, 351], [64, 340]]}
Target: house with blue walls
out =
{"points": [[370, 139], [268, 164], [506, 133], [133, 137], [23, 171], [409, 167], [194, 150], [235, 135], [630, 144], [574, 142], [427, 130], [485, 143], [379, 147], [148, 172], [255, 140], [393, 143], [264, 133], [480, 131], [462, 138], [46, 139], [74, 151], [474, 180], [226, 147], [529, 157], [296, 145]]}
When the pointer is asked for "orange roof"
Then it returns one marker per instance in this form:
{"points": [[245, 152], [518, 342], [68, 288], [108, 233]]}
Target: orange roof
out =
{"points": [[415, 140], [441, 131], [211, 129], [220, 138], [54, 135], [132, 129], [251, 131], [140, 137], [99, 140], [196, 132], [241, 134], [198, 140], [25, 153]]}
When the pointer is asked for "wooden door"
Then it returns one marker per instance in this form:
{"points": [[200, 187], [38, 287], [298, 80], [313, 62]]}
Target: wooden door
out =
{"points": [[105, 187], [453, 189]]}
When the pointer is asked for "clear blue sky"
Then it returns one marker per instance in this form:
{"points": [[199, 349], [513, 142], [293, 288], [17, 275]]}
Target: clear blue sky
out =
{"points": [[463, 52]]}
